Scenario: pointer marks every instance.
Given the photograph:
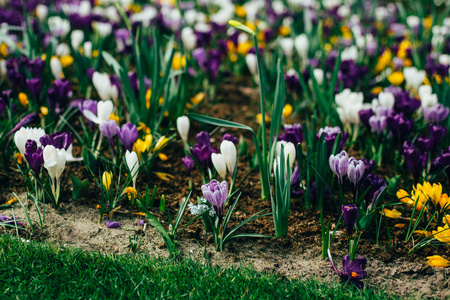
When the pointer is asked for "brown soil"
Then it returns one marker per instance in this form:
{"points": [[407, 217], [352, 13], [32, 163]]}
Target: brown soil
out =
{"points": [[297, 255]]}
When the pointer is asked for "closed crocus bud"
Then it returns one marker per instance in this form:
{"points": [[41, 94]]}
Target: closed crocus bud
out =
{"points": [[318, 75], [424, 90], [102, 84], [378, 123], [188, 38], [87, 49], [107, 179], [133, 165], [62, 50], [287, 46], [228, 150], [356, 169], [183, 128], [109, 129], [104, 110], [219, 163], [54, 161], [56, 67], [128, 134], [301, 44], [252, 63], [104, 29], [339, 165], [188, 163], [428, 100], [41, 12], [349, 214], [76, 38]]}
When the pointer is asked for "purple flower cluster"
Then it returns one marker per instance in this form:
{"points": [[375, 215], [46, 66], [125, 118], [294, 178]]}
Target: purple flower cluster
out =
{"points": [[127, 134], [202, 151], [58, 140], [292, 133], [331, 134]]}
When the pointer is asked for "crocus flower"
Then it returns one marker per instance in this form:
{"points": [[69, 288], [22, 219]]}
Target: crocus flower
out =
{"points": [[438, 261], [301, 44], [364, 116], [56, 68], [331, 134], [437, 133], [339, 165], [133, 165], [188, 163], [203, 138], [55, 162], [107, 179], [26, 133], [349, 214], [216, 193], [25, 120], [414, 77], [399, 126], [109, 129], [356, 170], [60, 90], [296, 190], [202, 153], [348, 106], [435, 114], [228, 150], [183, 128], [105, 89], [293, 133], [352, 271], [406, 104], [229, 137], [34, 156], [415, 161], [219, 163], [375, 186], [104, 110], [128, 134], [57, 139], [377, 123], [141, 222], [112, 224]]}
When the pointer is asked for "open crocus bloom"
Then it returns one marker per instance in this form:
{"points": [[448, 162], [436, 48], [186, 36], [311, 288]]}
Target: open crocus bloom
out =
{"points": [[26, 133], [352, 271], [104, 110]]}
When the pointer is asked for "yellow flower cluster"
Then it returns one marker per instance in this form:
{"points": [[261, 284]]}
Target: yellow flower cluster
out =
{"points": [[422, 193]]}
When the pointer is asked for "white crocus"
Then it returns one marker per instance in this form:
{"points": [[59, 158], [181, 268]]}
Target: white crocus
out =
{"points": [[104, 29], [424, 91], [252, 65], [87, 47], [133, 165], [58, 27], [26, 133], [349, 105], [62, 50], [41, 12], [301, 44], [104, 110], [56, 67], [318, 75], [349, 53], [76, 38], [386, 99], [219, 163], [55, 162], [2, 69], [183, 128], [428, 100], [414, 77], [228, 150], [69, 153], [289, 151], [188, 38], [104, 88], [287, 45]]}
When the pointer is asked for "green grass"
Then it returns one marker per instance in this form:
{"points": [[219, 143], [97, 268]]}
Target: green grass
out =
{"points": [[43, 271]]}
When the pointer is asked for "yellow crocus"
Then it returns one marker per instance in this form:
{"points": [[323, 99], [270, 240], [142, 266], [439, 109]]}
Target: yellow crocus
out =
{"points": [[161, 143], [130, 192], [198, 98], [141, 146], [396, 78], [438, 261], [392, 213], [376, 90], [383, 61], [106, 179], [240, 11], [178, 61], [66, 60], [259, 119], [442, 234], [164, 176], [284, 30], [44, 110], [114, 117], [23, 99], [287, 111]]}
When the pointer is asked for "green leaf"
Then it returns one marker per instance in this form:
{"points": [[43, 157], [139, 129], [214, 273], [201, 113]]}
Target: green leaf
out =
{"points": [[218, 122], [79, 188], [162, 204]]}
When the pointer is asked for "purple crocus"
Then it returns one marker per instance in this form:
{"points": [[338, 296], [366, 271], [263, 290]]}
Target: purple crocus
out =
{"points": [[331, 134], [415, 161], [435, 114], [109, 129], [399, 126], [25, 120], [437, 133], [352, 271], [141, 222], [356, 170], [58, 93], [216, 193], [296, 190], [406, 104], [9, 221], [292, 133], [203, 138], [128, 134], [442, 162], [58, 140], [35, 86], [339, 165], [188, 163], [365, 115], [377, 123], [202, 153], [112, 224], [374, 185], [34, 156], [349, 214], [229, 137]]}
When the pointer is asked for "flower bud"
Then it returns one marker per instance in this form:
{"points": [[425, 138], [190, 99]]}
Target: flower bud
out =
{"points": [[106, 179], [219, 163], [183, 128], [228, 150]]}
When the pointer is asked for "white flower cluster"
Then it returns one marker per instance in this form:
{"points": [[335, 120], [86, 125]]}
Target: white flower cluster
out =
{"points": [[201, 208]]}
